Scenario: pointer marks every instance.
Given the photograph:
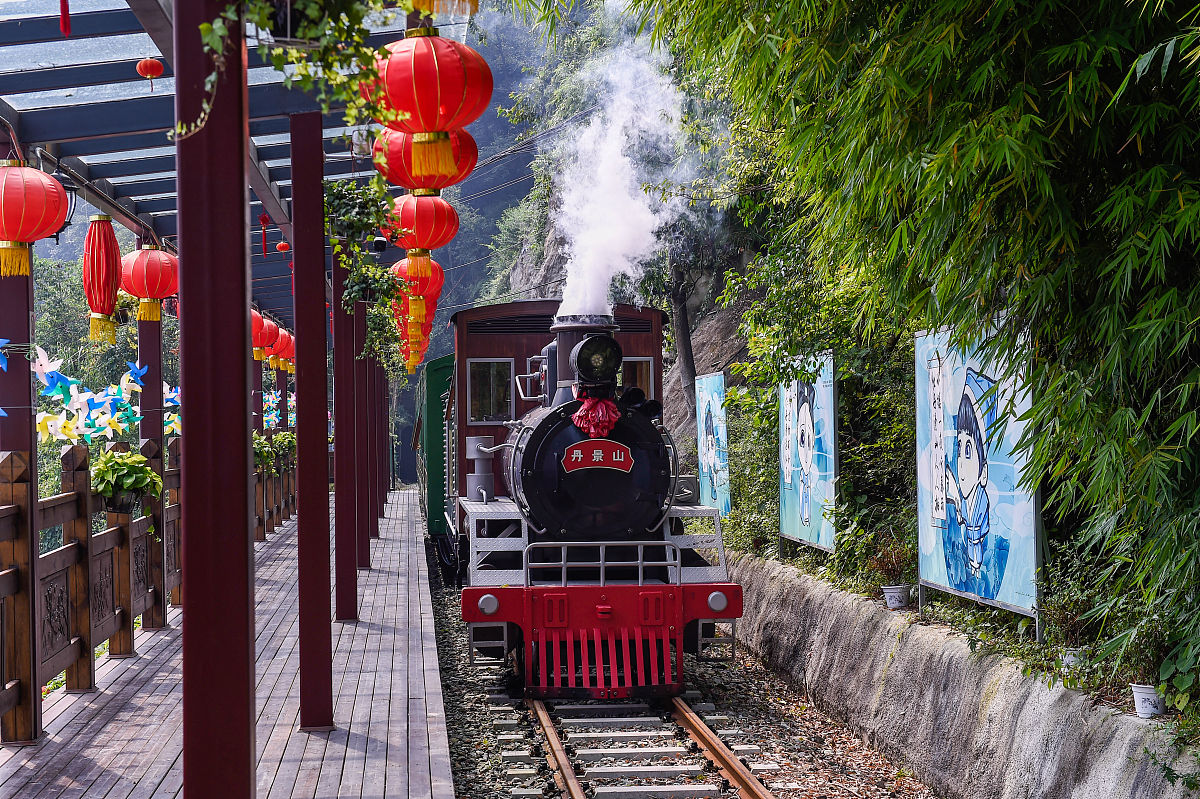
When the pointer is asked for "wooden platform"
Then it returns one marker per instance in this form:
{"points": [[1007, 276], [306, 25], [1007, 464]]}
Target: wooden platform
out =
{"points": [[123, 741]]}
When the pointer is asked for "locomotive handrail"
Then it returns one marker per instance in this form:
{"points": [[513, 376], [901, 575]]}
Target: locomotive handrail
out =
{"points": [[672, 559], [666, 509]]}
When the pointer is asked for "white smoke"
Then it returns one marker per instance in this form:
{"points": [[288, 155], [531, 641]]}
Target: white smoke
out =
{"points": [[608, 220]]}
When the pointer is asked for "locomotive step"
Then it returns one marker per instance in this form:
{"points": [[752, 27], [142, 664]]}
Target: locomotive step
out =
{"points": [[618, 735], [631, 753], [613, 721], [601, 710], [656, 791], [643, 772]]}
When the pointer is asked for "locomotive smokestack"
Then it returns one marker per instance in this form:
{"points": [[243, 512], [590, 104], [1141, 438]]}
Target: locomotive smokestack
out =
{"points": [[569, 331]]}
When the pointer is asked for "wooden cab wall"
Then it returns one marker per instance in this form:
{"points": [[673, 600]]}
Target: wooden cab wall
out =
{"points": [[497, 339]]}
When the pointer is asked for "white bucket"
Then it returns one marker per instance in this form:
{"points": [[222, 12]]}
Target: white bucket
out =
{"points": [[1070, 656], [1148, 701], [897, 597]]}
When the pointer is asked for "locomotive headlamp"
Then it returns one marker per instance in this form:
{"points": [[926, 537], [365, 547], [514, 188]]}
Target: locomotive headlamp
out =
{"points": [[488, 604], [597, 359]]}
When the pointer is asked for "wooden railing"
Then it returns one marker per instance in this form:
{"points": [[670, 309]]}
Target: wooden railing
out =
{"points": [[274, 496], [60, 605]]}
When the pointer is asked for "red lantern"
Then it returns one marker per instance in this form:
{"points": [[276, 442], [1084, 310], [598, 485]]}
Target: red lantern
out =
{"points": [[276, 350], [150, 68], [265, 339], [282, 246], [427, 285], [256, 328], [421, 221], [101, 276], [151, 274], [436, 85], [393, 156], [33, 205]]}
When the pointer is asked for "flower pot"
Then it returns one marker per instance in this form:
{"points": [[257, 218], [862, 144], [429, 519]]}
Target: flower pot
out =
{"points": [[897, 597], [1070, 655], [121, 502], [1148, 701]]}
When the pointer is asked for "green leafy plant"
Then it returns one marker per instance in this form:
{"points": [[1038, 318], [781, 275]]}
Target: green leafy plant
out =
{"points": [[284, 444], [895, 557], [114, 472], [264, 453]]}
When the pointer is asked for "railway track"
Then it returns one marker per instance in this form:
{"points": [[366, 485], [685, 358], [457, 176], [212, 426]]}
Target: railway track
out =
{"points": [[636, 751]]}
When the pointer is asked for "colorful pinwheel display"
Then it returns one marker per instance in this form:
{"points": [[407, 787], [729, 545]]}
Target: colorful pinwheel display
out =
{"points": [[87, 415]]}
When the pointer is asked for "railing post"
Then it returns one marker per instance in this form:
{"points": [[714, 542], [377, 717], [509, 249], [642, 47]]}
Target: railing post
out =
{"points": [[155, 616], [120, 645], [172, 536], [81, 675], [260, 506], [22, 722]]}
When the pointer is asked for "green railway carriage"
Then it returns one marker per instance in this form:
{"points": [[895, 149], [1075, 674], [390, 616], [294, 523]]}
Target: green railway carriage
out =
{"points": [[429, 441]]}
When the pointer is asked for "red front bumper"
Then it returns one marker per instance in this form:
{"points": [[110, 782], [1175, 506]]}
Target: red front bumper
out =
{"points": [[609, 641]]}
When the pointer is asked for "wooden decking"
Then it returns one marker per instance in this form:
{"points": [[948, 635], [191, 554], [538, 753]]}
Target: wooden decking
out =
{"points": [[123, 741]]}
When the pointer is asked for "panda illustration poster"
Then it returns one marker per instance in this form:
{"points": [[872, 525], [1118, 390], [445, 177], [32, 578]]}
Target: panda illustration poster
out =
{"points": [[808, 457], [712, 441], [978, 529]]}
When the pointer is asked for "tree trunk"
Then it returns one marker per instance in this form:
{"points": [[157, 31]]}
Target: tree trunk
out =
{"points": [[682, 328]]}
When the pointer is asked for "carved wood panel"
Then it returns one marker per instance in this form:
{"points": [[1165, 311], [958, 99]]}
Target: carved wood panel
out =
{"points": [[56, 622]]}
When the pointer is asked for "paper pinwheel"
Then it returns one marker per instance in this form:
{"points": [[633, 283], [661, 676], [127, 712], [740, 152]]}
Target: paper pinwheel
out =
{"points": [[135, 373], [3, 356], [42, 365]]}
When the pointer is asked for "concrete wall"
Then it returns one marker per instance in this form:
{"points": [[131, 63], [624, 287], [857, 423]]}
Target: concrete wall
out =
{"points": [[970, 727]]}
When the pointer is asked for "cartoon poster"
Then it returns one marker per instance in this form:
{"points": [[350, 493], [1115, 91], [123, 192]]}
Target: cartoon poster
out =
{"points": [[808, 457], [712, 441], [978, 529]]}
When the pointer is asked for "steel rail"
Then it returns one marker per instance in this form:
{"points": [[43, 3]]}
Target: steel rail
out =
{"points": [[556, 755], [731, 768]]}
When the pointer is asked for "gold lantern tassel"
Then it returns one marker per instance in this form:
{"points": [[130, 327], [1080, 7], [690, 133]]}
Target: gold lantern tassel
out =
{"points": [[14, 259], [149, 310], [446, 7], [102, 328], [273, 362], [259, 353], [432, 154], [416, 308], [418, 263]]}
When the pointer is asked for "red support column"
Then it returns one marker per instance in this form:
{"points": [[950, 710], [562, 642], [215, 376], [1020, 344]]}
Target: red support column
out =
{"points": [[362, 480], [256, 393], [214, 293], [151, 432], [370, 453], [385, 438], [345, 511], [19, 486], [312, 489], [281, 385]]}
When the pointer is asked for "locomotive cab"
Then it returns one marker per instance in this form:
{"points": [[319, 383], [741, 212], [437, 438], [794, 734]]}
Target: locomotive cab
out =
{"points": [[579, 569]]}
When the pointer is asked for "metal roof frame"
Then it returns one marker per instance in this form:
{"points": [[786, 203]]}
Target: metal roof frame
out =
{"points": [[115, 145]]}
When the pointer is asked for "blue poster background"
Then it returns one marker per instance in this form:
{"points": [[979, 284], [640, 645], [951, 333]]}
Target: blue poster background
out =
{"points": [[977, 529], [712, 441], [808, 457]]}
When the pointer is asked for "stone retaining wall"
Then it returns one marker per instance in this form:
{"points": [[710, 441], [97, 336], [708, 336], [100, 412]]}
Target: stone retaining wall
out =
{"points": [[969, 727]]}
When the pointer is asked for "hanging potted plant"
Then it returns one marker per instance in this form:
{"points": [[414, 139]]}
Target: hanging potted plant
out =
{"points": [[284, 445], [896, 563], [123, 478]]}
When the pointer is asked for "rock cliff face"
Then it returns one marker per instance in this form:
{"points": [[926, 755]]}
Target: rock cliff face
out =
{"points": [[716, 343], [537, 266], [969, 726]]}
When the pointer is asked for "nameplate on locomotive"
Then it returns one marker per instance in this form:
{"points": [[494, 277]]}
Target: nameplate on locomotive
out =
{"points": [[597, 453]]}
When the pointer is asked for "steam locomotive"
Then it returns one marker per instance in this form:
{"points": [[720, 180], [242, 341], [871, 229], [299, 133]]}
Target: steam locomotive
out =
{"points": [[561, 505]]}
